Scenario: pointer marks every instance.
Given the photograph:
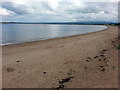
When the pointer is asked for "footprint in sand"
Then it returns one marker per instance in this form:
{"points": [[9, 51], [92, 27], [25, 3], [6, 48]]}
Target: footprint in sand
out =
{"points": [[48, 47], [9, 69]]}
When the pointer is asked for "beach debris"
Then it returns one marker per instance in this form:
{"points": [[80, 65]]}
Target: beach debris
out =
{"points": [[117, 47], [69, 73], [115, 42], [114, 67], [103, 69], [61, 82], [88, 59], [10, 69], [65, 80], [103, 56], [60, 87]]}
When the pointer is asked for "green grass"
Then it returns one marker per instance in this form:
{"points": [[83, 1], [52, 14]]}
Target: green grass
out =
{"points": [[118, 47]]}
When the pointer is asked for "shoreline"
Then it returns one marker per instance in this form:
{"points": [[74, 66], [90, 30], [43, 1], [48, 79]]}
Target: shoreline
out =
{"points": [[86, 61], [53, 38]]}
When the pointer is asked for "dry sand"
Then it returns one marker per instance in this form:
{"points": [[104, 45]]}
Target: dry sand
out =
{"points": [[82, 61]]}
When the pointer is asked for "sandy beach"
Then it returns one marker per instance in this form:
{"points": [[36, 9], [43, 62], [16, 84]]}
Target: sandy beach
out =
{"points": [[81, 61]]}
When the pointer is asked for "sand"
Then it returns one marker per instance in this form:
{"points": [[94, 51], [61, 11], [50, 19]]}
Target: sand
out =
{"points": [[81, 61]]}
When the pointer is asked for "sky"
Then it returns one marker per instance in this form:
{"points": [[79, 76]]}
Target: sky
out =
{"points": [[59, 10]]}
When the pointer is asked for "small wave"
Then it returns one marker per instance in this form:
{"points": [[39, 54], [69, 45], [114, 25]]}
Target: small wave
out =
{"points": [[5, 44]]}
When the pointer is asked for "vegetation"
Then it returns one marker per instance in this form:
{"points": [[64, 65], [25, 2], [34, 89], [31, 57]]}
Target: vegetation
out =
{"points": [[118, 47]]}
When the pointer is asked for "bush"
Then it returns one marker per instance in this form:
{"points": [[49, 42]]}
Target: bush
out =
{"points": [[118, 47]]}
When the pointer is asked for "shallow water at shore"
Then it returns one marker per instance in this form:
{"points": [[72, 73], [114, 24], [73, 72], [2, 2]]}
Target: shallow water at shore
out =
{"points": [[18, 33]]}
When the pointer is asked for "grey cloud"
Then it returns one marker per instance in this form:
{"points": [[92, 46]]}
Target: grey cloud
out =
{"points": [[66, 11], [19, 9], [46, 6]]}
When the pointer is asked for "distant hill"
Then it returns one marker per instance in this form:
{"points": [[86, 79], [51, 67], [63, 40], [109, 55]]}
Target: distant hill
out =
{"points": [[74, 23]]}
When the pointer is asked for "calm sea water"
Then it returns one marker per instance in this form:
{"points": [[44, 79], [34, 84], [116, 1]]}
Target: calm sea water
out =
{"points": [[18, 33]]}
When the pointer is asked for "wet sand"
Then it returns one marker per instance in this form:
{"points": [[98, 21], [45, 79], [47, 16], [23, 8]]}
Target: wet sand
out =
{"points": [[81, 61]]}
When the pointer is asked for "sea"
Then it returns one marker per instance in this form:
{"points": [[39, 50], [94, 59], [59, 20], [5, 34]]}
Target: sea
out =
{"points": [[20, 33]]}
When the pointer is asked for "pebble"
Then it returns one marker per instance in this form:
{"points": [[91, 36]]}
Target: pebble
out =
{"points": [[85, 67], [103, 69], [44, 72]]}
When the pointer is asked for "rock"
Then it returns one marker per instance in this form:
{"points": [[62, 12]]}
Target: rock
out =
{"points": [[113, 41], [44, 72], [104, 59], [88, 59], [104, 50], [96, 57], [18, 61], [60, 86], [106, 65], [101, 66], [103, 69], [65, 80], [99, 59], [73, 71], [102, 55]]}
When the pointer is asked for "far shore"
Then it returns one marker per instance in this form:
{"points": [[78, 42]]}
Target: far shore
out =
{"points": [[81, 61]]}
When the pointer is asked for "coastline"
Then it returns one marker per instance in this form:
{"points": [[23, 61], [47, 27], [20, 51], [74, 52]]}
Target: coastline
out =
{"points": [[90, 59]]}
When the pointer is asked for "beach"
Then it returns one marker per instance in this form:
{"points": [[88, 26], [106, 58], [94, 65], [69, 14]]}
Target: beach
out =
{"points": [[81, 61]]}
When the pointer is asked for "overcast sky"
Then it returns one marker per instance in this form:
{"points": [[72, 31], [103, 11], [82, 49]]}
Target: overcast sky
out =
{"points": [[59, 10]]}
